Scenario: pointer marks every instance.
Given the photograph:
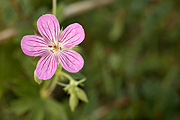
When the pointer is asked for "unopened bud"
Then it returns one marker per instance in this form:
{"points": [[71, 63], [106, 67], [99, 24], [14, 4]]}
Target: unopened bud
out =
{"points": [[73, 102], [81, 95], [39, 81]]}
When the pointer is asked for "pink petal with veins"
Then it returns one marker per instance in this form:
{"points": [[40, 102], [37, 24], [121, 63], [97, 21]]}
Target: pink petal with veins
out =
{"points": [[46, 66], [71, 60], [49, 27], [33, 45], [72, 35]]}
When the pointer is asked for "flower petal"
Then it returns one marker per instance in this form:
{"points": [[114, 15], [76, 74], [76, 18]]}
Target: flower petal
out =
{"points": [[46, 66], [72, 35], [33, 45], [71, 60], [49, 27]]}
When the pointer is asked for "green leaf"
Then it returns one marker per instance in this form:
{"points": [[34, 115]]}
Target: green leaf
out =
{"points": [[39, 109], [18, 107], [54, 110], [36, 114], [81, 95], [73, 101]]}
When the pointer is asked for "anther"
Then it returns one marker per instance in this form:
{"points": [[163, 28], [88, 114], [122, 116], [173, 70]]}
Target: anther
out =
{"points": [[51, 51], [50, 46]]}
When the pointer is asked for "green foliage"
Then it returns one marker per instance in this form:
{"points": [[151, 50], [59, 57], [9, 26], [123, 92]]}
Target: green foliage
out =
{"points": [[131, 54], [39, 109]]}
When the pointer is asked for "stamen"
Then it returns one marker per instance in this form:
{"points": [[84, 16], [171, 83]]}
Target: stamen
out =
{"points": [[60, 48], [52, 51], [50, 46]]}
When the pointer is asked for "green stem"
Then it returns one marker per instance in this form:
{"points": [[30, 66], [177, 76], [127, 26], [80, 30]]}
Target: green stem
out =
{"points": [[54, 7], [62, 84], [48, 87], [67, 76], [43, 91], [81, 81], [53, 85]]}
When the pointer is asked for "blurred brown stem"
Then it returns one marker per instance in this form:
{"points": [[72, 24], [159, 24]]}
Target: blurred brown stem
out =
{"points": [[15, 5], [84, 6], [8, 33], [105, 109]]}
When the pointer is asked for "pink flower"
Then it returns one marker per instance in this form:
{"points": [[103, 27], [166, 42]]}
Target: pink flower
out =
{"points": [[54, 47]]}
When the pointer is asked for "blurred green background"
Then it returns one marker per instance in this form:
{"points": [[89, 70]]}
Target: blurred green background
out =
{"points": [[131, 53]]}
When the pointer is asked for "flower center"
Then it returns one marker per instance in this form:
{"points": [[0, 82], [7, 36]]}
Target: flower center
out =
{"points": [[55, 48]]}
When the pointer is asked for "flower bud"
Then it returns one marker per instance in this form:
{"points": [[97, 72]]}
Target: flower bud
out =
{"points": [[39, 81], [73, 101], [81, 95]]}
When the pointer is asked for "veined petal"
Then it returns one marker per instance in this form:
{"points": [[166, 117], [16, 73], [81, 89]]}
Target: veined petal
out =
{"points": [[46, 66], [49, 27], [72, 35], [70, 60], [33, 45]]}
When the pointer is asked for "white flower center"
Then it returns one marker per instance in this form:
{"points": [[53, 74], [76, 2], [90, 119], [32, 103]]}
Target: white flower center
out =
{"points": [[55, 48]]}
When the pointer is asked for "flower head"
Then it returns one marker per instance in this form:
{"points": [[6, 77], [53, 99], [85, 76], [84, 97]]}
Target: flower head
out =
{"points": [[54, 47]]}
